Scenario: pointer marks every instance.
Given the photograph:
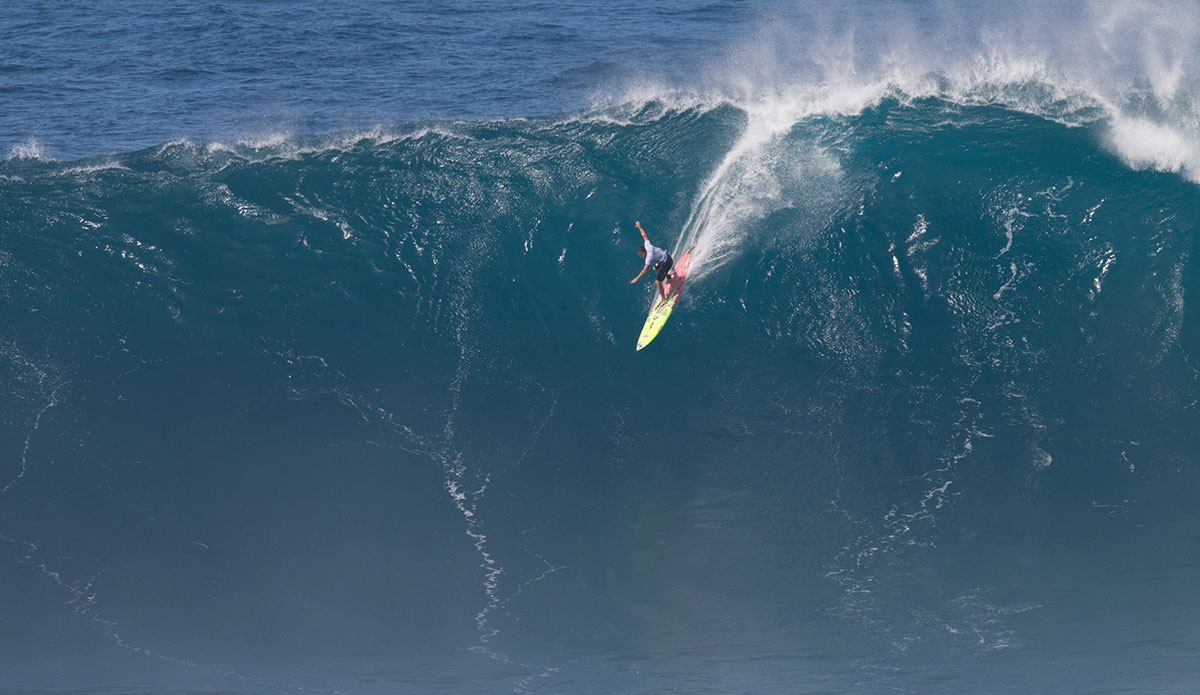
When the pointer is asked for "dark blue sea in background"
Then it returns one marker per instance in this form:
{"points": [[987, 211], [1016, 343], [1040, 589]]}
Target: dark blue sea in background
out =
{"points": [[317, 368]]}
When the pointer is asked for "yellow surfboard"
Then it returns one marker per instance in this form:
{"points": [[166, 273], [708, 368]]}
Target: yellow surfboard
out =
{"points": [[661, 310]]}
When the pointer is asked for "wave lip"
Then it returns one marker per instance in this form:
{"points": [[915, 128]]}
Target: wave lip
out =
{"points": [[1128, 68]]}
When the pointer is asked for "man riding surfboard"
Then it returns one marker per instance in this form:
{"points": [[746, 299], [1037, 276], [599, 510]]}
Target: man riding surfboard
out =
{"points": [[656, 257]]}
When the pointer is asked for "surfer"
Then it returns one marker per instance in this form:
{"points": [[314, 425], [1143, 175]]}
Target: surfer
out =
{"points": [[661, 260]]}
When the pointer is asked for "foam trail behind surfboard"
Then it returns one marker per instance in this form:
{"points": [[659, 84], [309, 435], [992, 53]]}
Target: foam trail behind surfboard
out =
{"points": [[761, 174]]}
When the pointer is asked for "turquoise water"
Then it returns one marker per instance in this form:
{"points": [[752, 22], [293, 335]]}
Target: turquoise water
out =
{"points": [[355, 408]]}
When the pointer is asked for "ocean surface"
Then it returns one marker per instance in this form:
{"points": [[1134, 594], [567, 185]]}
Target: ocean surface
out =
{"points": [[317, 368]]}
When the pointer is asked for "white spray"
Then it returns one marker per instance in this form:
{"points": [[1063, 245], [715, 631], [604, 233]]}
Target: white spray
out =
{"points": [[1128, 66]]}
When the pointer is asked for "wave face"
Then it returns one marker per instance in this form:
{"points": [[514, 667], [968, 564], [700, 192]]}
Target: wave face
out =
{"points": [[361, 412]]}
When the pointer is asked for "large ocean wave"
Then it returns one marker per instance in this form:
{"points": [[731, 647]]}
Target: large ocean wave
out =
{"points": [[282, 412]]}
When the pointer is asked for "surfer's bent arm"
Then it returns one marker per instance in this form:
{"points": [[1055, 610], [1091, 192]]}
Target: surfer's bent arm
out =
{"points": [[639, 275], [639, 226]]}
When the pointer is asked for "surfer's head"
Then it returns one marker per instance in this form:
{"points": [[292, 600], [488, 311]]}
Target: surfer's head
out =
{"points": [[642, 251]]}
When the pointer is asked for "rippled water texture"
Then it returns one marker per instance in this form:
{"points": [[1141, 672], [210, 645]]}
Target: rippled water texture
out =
{"points": [[318, 369]]}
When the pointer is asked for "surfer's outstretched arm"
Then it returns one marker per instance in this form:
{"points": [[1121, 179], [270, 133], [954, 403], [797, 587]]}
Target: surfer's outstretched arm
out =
{"points": [[639, 226], [639, 277]]}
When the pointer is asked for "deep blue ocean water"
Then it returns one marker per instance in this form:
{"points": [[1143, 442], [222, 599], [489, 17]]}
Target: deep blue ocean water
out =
{"points": [[318, 369]]}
